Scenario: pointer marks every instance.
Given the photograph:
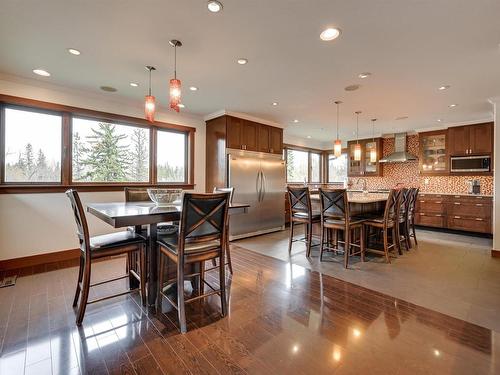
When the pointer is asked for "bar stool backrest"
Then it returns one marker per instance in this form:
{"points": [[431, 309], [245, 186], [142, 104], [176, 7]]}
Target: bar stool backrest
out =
{"points": [[300, 200], [82, 229], [390, 211], [229, 190], [403, 203], [203, 218], [334, 204], [133, 194], [412, 202]]}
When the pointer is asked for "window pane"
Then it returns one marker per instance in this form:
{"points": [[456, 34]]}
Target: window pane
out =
{"points": [[315, 167], [171, 157], [337, 168], [106, 152], [296, 166], [32, 146]]}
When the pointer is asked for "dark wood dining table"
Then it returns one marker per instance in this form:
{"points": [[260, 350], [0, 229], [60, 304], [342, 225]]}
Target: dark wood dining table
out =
{"points": [[136, 214]]}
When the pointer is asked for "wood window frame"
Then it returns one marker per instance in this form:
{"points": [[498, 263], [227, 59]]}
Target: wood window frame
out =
{"points": [[326, 169], [67, 113], [309, 151]]}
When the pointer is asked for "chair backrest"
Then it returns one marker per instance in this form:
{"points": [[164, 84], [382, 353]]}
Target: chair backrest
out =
{"points": [[82, 229], [133, 194], [300, 200], [403, 204], [391, 206], [333, 203], [229, 190], [203, 218], [412, 201]]}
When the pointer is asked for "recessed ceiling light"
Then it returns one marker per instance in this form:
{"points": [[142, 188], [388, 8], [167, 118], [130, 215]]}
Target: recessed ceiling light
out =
{"points": [[352, 87], [439, 120], [308, 136], [133, 84], [452, 105], [275, 104], [193, 88], [364, 75], [329, 34], [41, 72], [295, 121], [74, 51], [214, 6], [444, 87], [242, 61], [401, 118], [181, 105], [108, 89]]}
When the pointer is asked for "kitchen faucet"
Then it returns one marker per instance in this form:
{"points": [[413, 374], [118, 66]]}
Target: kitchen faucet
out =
{"points": [[364, 183]]}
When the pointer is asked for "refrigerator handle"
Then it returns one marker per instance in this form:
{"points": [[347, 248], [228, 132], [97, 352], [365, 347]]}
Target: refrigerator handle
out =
{"points": [[258, 186], [263, 183]]}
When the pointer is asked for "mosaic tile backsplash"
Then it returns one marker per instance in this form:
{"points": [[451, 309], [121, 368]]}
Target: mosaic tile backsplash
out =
{"points": [[407, 174]]}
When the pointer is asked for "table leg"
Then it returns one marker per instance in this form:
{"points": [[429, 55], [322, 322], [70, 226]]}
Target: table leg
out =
{"points": [[132, 259], [152, 262]]}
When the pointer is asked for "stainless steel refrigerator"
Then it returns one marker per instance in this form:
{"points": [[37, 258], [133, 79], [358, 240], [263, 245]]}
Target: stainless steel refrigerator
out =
{"points": [[259, 180]]}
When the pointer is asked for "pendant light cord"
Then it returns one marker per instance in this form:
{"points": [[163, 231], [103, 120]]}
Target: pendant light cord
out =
{"points": [[175, 61], [149, 81], [357, 127], [338, 120]]}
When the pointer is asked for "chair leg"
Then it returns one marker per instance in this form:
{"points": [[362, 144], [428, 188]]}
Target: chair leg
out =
{"points": [[181, 308], [321, 242], [362, 242], [201, 285], [222, 284], [386, 244], [291, 238], [414, 234], [80, 276], [161, 270], [309, 239], [228, 255], [347, 246], [398, 238], [143, 276], [85, 294], [407, 235]]}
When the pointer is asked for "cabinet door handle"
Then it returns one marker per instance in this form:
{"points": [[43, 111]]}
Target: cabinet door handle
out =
{"points": [[456, 217], [479, 219], [458, 204], [479, 204], [439, 215], [479, 197], [422, 201], [438, 202], [422, 214]]}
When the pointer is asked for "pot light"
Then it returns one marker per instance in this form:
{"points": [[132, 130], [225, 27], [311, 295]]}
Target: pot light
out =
{"points": [[439, 120], [351, 87], [74, 51], [364, 75], [41, 72], [242, 61], [444, 87], [452, 105], [133, 84], [108, 89], [193, 88], [275, 104], [214, 6], [295, 121], [329, 34], [308, 137]]}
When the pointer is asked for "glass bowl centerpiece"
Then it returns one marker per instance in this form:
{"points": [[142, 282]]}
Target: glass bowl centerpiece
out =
{"points": [[164, 197]]}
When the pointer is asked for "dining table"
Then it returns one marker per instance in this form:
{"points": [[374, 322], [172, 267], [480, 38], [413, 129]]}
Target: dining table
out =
{"points": [[360, 202], [137, 214]]}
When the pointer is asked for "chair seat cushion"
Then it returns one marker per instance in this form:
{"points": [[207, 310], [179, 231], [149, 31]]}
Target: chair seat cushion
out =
{"points": [[352, 221], [170, 242], [116, 239], [379, 220], [303, 215]]}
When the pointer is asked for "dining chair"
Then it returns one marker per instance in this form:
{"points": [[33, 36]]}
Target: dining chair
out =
{"points": [[402, 235], [97, 247], [203, 224], [335, 216], [301, 212], [385, 223], [411, 215], [229, 190]]}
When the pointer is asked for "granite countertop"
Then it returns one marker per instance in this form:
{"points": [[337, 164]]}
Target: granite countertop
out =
{"points": [[357, 197], [461, 194]]}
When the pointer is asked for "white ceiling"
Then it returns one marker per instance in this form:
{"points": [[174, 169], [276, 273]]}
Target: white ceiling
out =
{"points": [[410, 47]]}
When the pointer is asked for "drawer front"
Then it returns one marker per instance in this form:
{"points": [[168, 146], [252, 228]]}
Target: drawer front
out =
{"points": [[468, 209], [430, 220], [469, 224], [431, 205], [471, 199], [432, 197]]}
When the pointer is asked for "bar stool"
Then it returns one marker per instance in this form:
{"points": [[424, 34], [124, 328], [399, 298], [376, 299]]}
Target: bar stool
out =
{"points": [[385, 223], [335, 216], [402, 234], [92, 248], [301, 212], [411, 214], [229, 190], [201, 237]]}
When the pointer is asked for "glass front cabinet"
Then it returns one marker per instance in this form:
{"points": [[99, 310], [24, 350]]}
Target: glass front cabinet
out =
{"points": [[365, 166], [433, 152]]}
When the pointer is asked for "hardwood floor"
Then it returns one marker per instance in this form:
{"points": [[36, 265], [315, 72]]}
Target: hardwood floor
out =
{"points": [[283, 318]]}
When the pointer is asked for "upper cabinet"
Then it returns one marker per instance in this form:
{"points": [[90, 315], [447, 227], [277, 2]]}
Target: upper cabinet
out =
{"points": [[365, 167], [433, 152], [471, 140]]}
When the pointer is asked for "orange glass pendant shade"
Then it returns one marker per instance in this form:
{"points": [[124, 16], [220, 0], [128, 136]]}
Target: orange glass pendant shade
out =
{"points": [[175, 94], [357, 152], [149, 108], [373, 155], [337, 148]]}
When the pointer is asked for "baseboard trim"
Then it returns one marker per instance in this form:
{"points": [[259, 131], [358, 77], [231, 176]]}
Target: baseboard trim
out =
{"points": [[495, 253], [39, 259]]}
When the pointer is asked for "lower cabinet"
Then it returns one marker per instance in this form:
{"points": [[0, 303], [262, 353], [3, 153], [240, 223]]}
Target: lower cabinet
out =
{"points": [[461, 212]]}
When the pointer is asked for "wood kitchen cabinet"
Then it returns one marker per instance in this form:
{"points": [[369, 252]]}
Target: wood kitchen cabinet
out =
{"points": [[241, 134], [471, 139], [365, 167], [270, 139], [433, 158]]}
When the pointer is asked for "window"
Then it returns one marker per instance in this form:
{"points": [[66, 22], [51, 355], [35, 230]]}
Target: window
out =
{"points": [[297, 165], [337, 168], [171, 156], [108, 152], [47, 147], [315, 167], [32, 151]]}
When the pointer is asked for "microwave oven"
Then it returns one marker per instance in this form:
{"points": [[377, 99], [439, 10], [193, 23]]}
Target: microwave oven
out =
{"points": [[470, 164]]}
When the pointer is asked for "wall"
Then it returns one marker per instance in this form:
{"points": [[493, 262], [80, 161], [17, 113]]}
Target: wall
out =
{"points": [[496, 160], [32, 224], [407, 174]]}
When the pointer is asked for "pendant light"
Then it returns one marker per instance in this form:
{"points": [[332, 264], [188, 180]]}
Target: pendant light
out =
{"points": [[357, 146], [149, 102], [337, 145], [175, 84], [373, 151]]}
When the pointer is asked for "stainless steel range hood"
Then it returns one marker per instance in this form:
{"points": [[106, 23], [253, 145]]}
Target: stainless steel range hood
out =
{"points": [[399, 155]]}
